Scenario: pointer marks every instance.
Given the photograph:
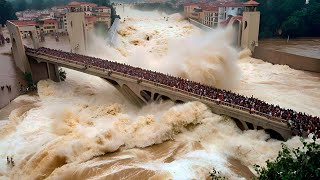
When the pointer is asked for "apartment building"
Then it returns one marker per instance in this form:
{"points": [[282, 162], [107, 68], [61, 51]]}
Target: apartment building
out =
{"points": [[213, 13]]}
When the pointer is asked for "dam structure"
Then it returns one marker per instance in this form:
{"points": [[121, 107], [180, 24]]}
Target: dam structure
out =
{"points": [[141, 86]]}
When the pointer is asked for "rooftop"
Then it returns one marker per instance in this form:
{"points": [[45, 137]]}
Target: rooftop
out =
{"points": [[90, 18], [47, 21], [251, 3], [23, 23], [210, 8]]}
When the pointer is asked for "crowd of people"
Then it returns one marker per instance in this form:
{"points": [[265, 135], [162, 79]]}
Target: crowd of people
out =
{"points": [[300, 123], [3, 40]]}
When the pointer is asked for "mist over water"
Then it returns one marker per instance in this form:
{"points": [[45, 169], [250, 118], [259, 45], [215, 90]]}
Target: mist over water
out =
{"points": [[84, 128]]}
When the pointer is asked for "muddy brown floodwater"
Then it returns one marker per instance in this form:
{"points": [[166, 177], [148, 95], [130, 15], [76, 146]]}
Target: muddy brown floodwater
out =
{"points": [[309, 47], [84, 128]]}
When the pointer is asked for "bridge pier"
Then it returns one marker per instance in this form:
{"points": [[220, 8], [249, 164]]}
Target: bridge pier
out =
{"points": [[39, 69], [43, 70]]}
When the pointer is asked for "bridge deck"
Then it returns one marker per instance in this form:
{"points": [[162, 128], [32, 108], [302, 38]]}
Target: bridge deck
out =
{"points": [[163, 83]]}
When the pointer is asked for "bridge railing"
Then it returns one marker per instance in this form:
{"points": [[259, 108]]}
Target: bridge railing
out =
{"points": [[218, 102]]}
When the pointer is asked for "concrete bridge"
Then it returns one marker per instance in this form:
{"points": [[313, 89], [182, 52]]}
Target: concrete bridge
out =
{"points": [[140, 91]]}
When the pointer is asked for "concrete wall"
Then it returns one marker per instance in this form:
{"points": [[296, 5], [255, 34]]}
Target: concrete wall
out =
{"points": [[76, 31], [32, 30], [42, 70], [39, 70], [283, 58], [199, 25], [250, 29], [18, 50]]}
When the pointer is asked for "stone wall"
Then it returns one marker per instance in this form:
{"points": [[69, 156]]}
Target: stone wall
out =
{"points": [[199, 25], [294, 61]]}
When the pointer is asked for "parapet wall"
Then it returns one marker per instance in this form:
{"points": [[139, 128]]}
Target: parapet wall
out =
{"points": [[292, 60], [199, 25]]}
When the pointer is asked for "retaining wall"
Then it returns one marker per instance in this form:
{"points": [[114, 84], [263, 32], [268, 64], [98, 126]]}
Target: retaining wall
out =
{"points": [[292, 60]]}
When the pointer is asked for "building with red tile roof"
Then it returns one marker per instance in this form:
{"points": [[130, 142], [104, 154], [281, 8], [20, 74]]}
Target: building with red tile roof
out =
{"points": [[24, 23], [251, 3], [210, 12]]}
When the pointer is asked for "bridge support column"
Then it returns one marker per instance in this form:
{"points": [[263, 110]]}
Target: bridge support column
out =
{"points": [[43, 70], [245, 125]]}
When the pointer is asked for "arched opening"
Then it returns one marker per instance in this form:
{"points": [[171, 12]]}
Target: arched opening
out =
{"points": [[259, 127], [156, 95], [237, 33], [30, 35], [239, 124], [14, 48], [245, 25], [164, 98], [274, 134], [250, 125], [114, 83], [146, 95], [179, 102]]}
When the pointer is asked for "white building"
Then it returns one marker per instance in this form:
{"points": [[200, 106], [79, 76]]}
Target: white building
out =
{"points": [[229, 9]]}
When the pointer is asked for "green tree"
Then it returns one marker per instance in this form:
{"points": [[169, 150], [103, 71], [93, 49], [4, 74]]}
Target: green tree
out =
{"points": [[295, 25], [291, 17], [29, 80], [312, 19], [100, 2], [37, 4], [20, 5], [62, 74], [6, 12], [293, 164], [49, 3]]}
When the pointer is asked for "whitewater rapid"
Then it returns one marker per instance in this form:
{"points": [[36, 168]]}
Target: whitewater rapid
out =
{"points": [[84, 128]]}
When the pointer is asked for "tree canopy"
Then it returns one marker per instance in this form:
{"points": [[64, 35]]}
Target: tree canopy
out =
{"points": [[100, 2], [293, 164], [289, 17], [6, 11]]}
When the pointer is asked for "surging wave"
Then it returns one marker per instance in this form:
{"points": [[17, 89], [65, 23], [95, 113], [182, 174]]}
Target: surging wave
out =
{"points": [[83, 128]]}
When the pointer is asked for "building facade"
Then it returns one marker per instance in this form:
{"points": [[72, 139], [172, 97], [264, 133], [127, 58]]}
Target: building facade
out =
{"points": [[49, 26], [93, 14], [103, 15], [242, 16], [24, 27], [212, 14]]}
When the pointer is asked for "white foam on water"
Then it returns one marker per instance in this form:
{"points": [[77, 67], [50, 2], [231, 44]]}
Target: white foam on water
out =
{"points": [[86, 117]]}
